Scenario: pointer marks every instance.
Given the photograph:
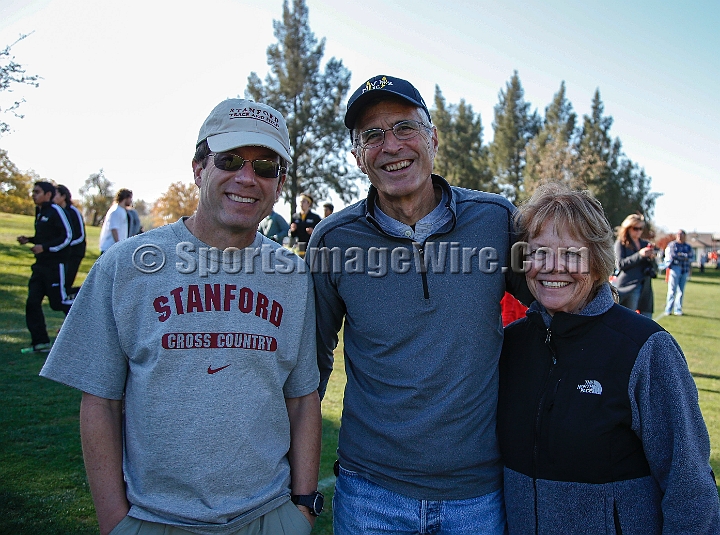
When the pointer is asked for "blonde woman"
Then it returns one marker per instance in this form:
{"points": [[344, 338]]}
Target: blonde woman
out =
{"points": [[635, 263]]}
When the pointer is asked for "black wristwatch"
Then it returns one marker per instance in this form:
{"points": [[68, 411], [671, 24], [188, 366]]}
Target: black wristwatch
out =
{"points": [[314, 501]]}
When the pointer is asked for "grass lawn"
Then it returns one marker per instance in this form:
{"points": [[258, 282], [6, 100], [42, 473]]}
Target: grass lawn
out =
{"points": [[42, 478]]}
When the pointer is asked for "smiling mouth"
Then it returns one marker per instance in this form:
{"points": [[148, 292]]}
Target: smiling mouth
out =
{"points": [[553, 284], [237, 198], [397, 165]]}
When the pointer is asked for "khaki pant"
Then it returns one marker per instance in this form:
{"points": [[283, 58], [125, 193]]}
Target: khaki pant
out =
{"points": [[285, 520]]}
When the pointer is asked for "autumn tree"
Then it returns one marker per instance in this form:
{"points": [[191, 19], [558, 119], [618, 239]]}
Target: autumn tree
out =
{"points": [[13, 74], [15, 188], [462, 159], [181, 199], [514, 126], [97, 196], [312, 102]]}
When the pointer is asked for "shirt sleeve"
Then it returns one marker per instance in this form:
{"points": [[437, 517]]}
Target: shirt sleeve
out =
{"points": [[63, 236], [306, 370], [670, 253], [87, 354], [330, 311], [81, 223], [667, 418], [118, 219], [624, 263]]}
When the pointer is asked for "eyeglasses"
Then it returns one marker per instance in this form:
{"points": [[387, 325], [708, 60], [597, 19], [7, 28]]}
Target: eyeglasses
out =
{"points": [[638, 228], [404, 130], [227, 161]]}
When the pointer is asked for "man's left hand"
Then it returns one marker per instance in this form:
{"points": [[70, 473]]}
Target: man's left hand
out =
{"points": [[306, 513]]}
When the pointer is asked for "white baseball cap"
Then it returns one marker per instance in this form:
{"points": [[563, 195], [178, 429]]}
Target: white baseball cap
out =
{"points": [[238, 122]]}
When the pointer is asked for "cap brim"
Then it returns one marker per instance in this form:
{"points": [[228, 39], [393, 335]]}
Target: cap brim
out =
{"points": [[233, 140], [358, 104]]}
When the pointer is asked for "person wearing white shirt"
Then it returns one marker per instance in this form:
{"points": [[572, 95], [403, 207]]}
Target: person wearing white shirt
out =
{"points": [[115, 225]]}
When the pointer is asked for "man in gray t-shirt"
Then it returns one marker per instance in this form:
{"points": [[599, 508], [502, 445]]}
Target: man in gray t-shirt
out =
{"points": [[200, 409]]}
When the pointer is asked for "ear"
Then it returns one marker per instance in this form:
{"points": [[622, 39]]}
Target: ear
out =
{"points": [[197, 173], [358, 153], [435, 143], [280, 185]]}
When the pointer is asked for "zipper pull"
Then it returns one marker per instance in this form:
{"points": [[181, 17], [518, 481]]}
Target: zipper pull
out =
{"points": [[549, 335]]}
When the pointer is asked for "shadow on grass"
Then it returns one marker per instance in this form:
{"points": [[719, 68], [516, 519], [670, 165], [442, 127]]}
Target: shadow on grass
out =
{"points": [[705, 375], [678, 331], [698, 375], [16, 250], [697, 280]]}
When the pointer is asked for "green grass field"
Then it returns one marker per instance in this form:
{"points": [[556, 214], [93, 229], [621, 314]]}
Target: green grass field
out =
{"points": [[42, 479]]}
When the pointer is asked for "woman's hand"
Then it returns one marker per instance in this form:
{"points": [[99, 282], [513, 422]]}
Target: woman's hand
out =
{"points": [[647, 252]]}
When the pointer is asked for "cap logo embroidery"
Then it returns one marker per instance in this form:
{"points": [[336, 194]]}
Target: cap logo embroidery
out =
{"points": [[590, 387], [257, 114], [377, 84]]}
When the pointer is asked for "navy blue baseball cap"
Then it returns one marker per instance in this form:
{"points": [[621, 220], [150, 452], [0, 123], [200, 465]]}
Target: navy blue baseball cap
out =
{"points": [[385, 84]]}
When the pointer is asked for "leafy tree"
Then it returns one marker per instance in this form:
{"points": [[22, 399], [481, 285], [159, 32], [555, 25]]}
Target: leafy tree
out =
{"points": [[12, 74], [181, 199], [550, 155], [97, 196], [141, 207], [462, 158], [15, 188], [514, 126], [312, 103], [619, 184]]}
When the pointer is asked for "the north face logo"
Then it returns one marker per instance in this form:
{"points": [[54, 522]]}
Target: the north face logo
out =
{"points": [[590, 387]]}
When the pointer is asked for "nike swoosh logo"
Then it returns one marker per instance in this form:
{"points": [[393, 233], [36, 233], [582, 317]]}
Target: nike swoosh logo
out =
{"points": [[211, 371]]}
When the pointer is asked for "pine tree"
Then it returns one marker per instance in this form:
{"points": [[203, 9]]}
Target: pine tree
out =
{"points": [[312, 103], [514, 126], [550, 155], [461, 158], [619, 184]]}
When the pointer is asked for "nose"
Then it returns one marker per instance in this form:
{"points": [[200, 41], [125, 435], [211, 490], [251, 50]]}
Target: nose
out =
{"points": [[391, 142], [246, 174], [552, 261]]}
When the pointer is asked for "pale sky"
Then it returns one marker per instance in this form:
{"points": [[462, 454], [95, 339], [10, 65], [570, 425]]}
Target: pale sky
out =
{"points": [[127, 84]]}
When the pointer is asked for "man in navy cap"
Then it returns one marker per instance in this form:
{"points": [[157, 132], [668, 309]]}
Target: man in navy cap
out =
{"points": [[417, 448]]}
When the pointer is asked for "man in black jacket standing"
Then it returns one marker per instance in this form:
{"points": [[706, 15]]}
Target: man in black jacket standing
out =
{"points": [[52, 238]]}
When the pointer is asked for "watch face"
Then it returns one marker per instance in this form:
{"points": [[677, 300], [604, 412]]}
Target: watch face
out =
{"points": [[314, 502], [318, 504]]}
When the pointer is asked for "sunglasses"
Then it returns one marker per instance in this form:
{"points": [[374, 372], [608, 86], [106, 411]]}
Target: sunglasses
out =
{"points": [[227, 161], [638, 228]]}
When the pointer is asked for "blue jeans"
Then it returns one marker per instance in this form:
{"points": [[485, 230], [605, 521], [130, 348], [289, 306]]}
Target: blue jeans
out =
{"points": [[631, 299], [676, 289], [361, 507]]}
